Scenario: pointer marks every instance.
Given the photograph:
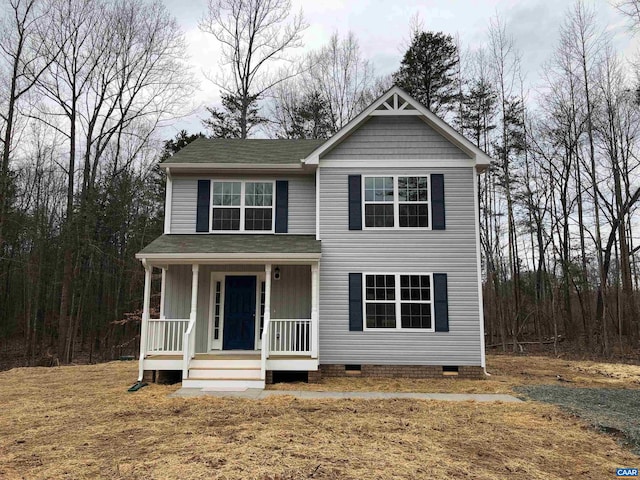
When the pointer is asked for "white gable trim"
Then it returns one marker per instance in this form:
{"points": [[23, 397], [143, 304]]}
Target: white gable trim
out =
{"points": [[389, 102]]}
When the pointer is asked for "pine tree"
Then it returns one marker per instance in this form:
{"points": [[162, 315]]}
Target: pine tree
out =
{"points": [[478, 111], [228, 122], [310, 118], [428, 71]]}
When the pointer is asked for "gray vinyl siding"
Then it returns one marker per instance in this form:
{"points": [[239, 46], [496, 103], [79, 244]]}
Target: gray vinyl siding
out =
{"points": [[402, 137], [451, 251], [302, 203], [290, 296]]}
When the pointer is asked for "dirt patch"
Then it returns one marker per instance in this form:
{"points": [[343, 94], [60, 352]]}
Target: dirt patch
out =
{"points": [[612, 411], [79, 422]]}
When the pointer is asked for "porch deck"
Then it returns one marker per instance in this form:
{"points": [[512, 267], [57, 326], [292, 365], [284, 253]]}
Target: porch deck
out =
{"points": [[230, 361]]}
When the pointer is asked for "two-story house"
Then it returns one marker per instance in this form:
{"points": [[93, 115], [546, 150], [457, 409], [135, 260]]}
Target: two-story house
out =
{"points": [[355, 255]]}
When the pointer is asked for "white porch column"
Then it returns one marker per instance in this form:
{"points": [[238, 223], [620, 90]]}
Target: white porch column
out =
{"points": [[189, 339], [144, 321], [195, 270], [267, 308], [315, 304], [163, 290]]}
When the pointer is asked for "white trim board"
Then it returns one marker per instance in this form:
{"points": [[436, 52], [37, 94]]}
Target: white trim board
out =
{"points": [[222, 257], [232, 166], [393, 163]]}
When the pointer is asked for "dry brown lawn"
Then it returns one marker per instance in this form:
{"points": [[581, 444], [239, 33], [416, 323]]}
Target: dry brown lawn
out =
{"points": [[506, 372], [79, 422]]}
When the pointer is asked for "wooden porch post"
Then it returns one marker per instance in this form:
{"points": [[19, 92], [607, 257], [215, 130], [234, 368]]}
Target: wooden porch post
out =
{"points": [[144, 321], [315, 302], [267, 305]]}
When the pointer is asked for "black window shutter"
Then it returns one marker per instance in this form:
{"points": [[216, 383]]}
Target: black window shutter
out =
{"points": [[437, 202], [202, 213], [441, 302], [355, 202], [355, 302], [282, 206]]}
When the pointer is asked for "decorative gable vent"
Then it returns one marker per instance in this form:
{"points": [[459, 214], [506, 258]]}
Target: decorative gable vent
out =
{"points": [[396, 103]]}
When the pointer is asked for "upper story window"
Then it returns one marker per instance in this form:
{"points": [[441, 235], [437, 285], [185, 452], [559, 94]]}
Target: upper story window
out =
{"points": [[242, 206], [396, 202]]}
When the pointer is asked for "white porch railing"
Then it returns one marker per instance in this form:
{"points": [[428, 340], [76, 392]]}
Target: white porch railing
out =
{"points": [[290, 337], [189, 350], [165, 335]]}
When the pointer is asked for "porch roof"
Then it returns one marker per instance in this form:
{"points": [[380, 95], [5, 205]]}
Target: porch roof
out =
{"points": [[231, 246]]}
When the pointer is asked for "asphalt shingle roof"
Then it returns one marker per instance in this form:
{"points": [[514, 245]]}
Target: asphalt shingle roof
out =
{"points": [[230, 243], [250, 151]]}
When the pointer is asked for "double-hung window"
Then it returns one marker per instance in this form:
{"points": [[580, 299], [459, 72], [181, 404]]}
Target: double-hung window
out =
{"points": [[396, 202], [242, 206], [398, 301]]}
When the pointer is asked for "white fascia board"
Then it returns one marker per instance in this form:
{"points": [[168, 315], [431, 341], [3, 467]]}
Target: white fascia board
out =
{"points": [[231, 166], [399, 163], [228, 256], [440, 125]]}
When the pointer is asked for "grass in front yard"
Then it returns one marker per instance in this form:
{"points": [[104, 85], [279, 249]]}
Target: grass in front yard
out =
{"points": [[506, 371], [79, 422]]}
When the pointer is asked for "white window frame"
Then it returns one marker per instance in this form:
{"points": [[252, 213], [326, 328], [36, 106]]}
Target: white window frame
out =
{"points": [[216, 277], [398, 302], [242, 205], [396, 202]]}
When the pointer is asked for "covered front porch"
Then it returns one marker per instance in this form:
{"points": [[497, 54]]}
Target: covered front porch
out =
{"points": [[227, 318]]}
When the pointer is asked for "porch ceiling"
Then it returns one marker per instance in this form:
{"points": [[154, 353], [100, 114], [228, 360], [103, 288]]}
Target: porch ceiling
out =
{"points": [[220, 246]]}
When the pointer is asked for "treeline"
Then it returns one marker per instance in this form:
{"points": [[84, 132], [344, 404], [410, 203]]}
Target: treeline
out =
{"points": [[84, 85], [87, 84]]}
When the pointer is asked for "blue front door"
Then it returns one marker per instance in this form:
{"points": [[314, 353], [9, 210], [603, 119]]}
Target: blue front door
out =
{"points": [[239, 313]]}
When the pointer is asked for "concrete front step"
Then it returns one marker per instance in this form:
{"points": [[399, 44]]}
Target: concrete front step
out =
{"points": [[235, 373], [211, 384]]}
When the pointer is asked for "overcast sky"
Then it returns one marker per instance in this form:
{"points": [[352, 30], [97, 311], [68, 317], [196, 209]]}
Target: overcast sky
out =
{"points": [[382, 27]]}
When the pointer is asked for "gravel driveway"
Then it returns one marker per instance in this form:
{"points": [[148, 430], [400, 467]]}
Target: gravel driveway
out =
{"points": [[614, 411]]}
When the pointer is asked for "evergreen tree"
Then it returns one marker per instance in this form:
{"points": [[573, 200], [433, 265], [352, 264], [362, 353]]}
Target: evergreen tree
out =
{"points": [[231, 121], [181, 140], [428, 71], [478, 111], [310, 118]]}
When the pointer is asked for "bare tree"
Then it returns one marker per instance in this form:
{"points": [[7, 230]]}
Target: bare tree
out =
{"points": [[338, 76], [505, 64], [120, 71], [630, 8], [255, 36], [22, 62], [343, 77]]}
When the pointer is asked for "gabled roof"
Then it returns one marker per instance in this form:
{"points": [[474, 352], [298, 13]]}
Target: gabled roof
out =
{"points": [[287, 154], [397, 102], [243, 151]]}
